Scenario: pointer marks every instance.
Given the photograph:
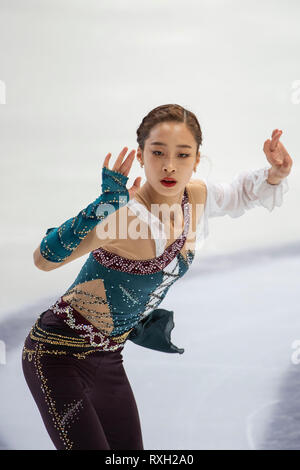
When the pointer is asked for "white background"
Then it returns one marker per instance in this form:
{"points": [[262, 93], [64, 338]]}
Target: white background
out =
{"points": [[79, 78]]}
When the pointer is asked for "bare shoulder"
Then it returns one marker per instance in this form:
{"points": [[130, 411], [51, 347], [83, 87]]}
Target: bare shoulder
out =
{"points": [[198, 190]]}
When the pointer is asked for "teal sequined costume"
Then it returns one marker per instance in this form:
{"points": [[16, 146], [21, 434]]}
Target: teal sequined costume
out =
{"points": [[134, 288]]}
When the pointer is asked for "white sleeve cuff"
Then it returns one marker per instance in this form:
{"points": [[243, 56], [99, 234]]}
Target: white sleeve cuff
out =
{"points": [[269, 195]]}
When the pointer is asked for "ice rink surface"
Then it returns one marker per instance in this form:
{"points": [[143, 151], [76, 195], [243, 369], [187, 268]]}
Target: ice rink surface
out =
{"points": [[237, 384]]}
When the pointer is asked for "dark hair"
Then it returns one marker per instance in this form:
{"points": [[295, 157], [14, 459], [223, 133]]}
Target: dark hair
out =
{"points": [[168, 112]]}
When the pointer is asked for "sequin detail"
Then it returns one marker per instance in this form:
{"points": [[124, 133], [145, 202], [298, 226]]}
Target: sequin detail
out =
{"points": [[66, 345], [148, 266], [190, 256], [29, 353], [39, 334], [59, 423], [59, 242], [71, 413], [91, 334], [90, 299]]}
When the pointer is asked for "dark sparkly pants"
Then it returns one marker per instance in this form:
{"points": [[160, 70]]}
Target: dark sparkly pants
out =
{"points": [[86, 403]]}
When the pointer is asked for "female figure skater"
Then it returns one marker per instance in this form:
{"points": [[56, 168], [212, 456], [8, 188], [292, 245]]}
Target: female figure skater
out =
{"points": [[72, 356]]}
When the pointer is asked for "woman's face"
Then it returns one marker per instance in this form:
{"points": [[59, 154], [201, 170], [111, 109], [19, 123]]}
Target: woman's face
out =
{"points": [[170, 151]]}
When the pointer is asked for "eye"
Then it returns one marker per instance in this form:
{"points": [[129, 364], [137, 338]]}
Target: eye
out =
{"points": [[155, 152]]}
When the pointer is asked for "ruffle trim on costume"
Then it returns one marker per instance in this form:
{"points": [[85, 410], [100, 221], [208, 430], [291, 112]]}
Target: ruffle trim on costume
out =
{"points": [[269, 195]]}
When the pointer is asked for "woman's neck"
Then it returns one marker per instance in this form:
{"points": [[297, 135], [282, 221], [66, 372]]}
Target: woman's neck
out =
{"points": [[148, 195]]}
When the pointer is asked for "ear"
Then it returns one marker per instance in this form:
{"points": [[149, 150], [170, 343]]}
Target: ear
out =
{"points": [[197, 161], [139, 155]]}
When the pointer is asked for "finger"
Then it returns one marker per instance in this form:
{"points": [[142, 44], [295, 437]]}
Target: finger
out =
{"points": [[275, 135], [274, 141], [119, 160], [288, 162], [136, 185], [137, 181], [270, 155], [276, 131], [273, 144], [266, 147], [126, 165], [106, 160], [275, 160]]}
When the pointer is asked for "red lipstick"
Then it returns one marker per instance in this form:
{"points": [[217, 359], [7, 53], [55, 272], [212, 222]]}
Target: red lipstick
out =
{"points": [[168, 182]]}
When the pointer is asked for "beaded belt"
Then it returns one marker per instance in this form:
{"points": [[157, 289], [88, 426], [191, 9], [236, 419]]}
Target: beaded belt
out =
{"points": [[89, 335], [73, 343]]}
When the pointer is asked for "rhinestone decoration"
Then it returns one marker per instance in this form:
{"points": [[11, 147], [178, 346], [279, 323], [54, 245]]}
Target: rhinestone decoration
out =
{"points": [[149, 266], [90, 333]]}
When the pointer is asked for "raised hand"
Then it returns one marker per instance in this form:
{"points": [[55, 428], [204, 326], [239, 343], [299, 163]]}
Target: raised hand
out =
{"points": [[124, 168], [277, 156]]}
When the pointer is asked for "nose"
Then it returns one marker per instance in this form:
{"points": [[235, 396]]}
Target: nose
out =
{"points": [[168, 167]]}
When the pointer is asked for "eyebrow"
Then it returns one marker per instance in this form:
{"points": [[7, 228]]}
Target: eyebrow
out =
{"points": [[161, 143]]}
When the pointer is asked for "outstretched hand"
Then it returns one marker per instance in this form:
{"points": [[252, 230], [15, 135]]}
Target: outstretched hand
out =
{"points": [[124, 168], [277, 156]]}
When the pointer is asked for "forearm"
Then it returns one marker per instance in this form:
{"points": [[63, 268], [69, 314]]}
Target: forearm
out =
{"points": [[60, 242], [250, 188]]}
